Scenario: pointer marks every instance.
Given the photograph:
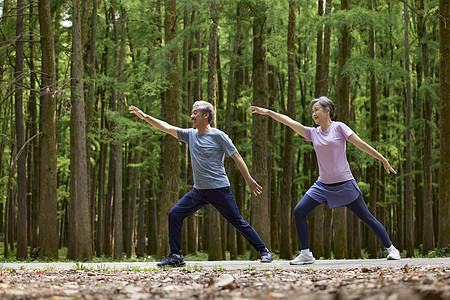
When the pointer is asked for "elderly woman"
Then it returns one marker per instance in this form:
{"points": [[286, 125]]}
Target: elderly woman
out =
{"points": [[335, 186]]}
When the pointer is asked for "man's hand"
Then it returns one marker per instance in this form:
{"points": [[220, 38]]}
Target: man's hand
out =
{"points": [[255, 187]]}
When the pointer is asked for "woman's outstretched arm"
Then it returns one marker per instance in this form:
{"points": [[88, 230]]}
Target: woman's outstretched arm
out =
{"points": [[361, 145], [296, 126]]}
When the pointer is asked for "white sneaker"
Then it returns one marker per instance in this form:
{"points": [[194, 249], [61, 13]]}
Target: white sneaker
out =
{"points": [[393, 253], [303, 259]]}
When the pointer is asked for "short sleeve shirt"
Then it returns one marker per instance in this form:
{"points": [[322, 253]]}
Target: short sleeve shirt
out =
{"points": [[207, 152], [330, 147]]}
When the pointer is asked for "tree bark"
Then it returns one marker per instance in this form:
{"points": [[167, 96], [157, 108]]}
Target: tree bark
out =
{"points": [[215, 250], [171, 149], [409, 204], [48, 235], [444, 82], [118, 183], [80, 243], [288, 161], [373, 168], [428, 230], [22, 234], [260, 204], [343, 95]]}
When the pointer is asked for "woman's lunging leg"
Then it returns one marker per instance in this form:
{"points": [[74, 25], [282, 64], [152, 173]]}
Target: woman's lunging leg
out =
{"points": [[359, 208], [301, 210]]}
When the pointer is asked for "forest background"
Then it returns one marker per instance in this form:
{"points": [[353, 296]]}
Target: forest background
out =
{"points": [[78, 171]]}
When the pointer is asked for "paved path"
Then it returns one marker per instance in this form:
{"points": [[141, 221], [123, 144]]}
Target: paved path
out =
{"points": [[234, 264]]}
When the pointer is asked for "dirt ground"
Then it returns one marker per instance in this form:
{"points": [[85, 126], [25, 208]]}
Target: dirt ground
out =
{"points": [[416, 282]]}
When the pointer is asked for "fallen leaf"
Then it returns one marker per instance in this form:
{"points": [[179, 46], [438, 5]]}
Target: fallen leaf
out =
{"points": [[226, 281], [406, 268]]}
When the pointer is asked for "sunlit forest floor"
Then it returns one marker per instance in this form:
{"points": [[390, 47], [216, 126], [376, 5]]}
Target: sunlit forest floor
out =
{"points": [[79, 282]]}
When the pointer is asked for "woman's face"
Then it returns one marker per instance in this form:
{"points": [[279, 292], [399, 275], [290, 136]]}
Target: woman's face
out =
{"points": [[319, 114]]}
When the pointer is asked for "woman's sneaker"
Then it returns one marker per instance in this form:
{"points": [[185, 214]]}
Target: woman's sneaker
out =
{"points": [[393, 253], [266, 257], [172, 260], [303, 259]]}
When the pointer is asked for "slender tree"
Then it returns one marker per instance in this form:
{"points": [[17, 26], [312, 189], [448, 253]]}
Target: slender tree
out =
{"points": [[171, 149], [80, 243], [373, 169], [22, 234], [118, 183], [48, 235], [260, 204], [409, 195], [428, 228], [215, 250], [288, 161], [444, 81], [343, 96]]}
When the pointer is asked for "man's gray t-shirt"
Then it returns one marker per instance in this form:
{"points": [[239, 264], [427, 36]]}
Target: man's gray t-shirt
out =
{"points": [[207, 154]]}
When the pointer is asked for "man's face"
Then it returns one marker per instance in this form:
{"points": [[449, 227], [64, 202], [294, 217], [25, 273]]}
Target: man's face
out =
{"points": [[199, 119]]}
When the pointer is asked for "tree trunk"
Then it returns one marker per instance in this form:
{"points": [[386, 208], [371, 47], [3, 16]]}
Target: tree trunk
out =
{"points": [[409, 204], [230, 115], [171, 162], [33, 166], [340, 219], [22, 234], [373, 169], [142, 235], [118, 182], [80, 245], [428, 231], [288, 161], [48, 235], [444, 170], [215, 249], [260, 204], [326, 53]]}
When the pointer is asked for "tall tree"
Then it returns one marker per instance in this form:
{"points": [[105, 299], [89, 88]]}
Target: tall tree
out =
{"points": [[171, 149], [22, 234], [373, 169], [428, 228], [118, 183], [260, 204], [318, 213], [48, 235], [215, 251], [444, 81], [409, 205], [80, 243], [288, 161], [343, 98]]}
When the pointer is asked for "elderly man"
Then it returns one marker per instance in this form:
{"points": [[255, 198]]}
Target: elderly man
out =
{"points": [[207, 146]]}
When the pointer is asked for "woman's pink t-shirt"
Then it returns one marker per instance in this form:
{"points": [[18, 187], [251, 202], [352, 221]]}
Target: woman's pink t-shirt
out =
{"points": [[330, 147]]}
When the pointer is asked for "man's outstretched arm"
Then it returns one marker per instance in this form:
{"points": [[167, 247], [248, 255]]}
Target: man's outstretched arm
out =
{"points": [[158, 124]]}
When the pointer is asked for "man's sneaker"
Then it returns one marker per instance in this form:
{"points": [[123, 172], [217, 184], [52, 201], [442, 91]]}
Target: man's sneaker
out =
{"points": [[303, 259], [172, 260], [266, 257], [393, 253]]}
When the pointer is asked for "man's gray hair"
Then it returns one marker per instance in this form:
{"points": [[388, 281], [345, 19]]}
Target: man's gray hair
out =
{"points": [[205, 107]]}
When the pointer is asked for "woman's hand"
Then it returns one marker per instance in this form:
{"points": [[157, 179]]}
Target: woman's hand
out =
{"points": [[387, 166], [259, 110], [136, 111]]}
